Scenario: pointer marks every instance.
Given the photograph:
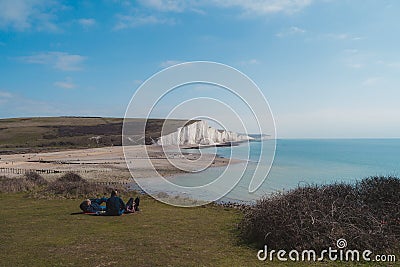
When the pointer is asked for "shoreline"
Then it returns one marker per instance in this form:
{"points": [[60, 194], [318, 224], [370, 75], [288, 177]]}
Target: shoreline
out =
{"points": [[106, 164]]}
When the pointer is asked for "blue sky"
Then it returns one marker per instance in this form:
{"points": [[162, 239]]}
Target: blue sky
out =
{"points": [[328, 68]]}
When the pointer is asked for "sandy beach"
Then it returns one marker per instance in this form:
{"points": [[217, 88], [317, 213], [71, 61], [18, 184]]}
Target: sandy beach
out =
{"points": [[107, 164]]}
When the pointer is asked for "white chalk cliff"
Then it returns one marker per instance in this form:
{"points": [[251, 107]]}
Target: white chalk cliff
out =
{"points": [[199, 133]]}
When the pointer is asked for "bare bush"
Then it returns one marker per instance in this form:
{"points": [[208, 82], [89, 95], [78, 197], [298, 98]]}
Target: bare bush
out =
{"points": [[71, 177], [72, 185], [366, 214], [35, 178], [13, 185]]}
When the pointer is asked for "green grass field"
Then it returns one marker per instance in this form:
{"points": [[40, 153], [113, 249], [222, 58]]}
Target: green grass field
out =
{"points": [[40, 232], [43, 233]]}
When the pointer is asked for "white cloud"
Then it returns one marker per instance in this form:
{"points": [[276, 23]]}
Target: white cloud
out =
{"points": [[291, 31], [392, 64], [86, 23], [265, 7], [355, 59], [166, 5], [258, 7], [169, 63], [351, 51], [249, 7], [5, 98], [343, 36], [198, 11], [250, 62], [355, 65], [27, 14], [67, 84], [4, 94], [132, 21], [58, 60], [371, 81]]}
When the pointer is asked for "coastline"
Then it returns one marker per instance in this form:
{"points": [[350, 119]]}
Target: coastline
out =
{"points": [[105, 164]]}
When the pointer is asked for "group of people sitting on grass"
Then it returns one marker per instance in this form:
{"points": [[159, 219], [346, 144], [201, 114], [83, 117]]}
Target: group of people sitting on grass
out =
{"points": [[115, 206]]}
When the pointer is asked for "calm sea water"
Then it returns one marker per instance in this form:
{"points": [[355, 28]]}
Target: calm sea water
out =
{"points": [[305, 161]]}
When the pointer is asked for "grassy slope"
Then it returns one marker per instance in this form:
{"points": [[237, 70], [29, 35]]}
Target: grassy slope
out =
{"points": [[54, 133], [43, 233]]}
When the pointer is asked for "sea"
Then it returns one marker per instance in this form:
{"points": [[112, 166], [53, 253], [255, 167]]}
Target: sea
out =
{"points": [[296, 162]]}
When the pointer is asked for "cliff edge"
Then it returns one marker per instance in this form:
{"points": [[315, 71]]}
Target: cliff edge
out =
{"points": [[200, 133]]}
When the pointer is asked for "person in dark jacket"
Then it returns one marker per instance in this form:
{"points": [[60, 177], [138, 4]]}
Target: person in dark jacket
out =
{"points": [[93, 205], [132, 205], [114, 205]]}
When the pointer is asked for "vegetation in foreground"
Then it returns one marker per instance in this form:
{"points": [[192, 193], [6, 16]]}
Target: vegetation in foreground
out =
{"points": [[70, 185], [365, 214], [38, 229], [42, 232]]}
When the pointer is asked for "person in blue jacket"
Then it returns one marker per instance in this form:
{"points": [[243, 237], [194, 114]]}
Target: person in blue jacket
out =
{"points": [[93, 205], [114, 205]]}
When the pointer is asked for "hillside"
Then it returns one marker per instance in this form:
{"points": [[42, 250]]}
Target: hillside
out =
{"points": [[22, 135]]}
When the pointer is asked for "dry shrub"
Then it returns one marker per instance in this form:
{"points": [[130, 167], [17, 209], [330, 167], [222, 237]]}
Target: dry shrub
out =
{"points": [[382, 196], [12, 185], [366, 214], [35, 178], [72, 185], [28, 182], [71, 177]]}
